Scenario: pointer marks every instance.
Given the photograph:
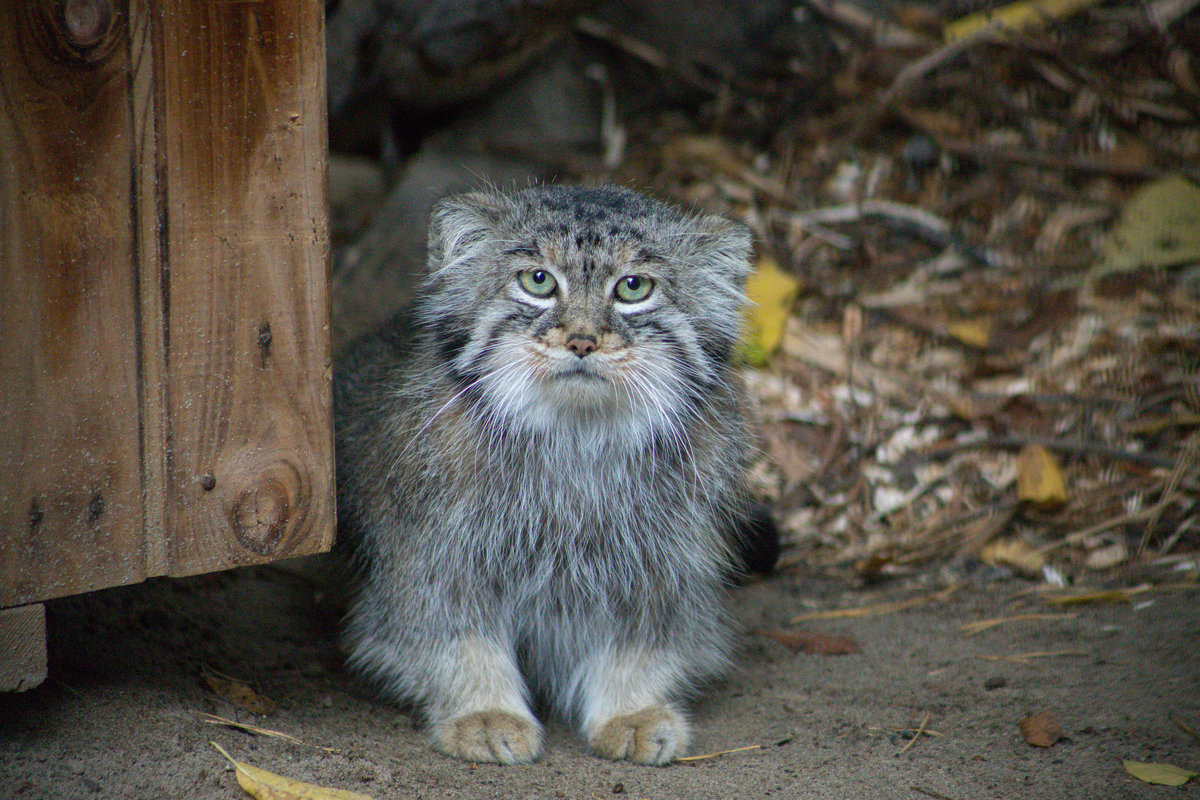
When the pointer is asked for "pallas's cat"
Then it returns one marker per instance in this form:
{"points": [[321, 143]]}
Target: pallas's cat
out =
{"points": [[540, 469]]}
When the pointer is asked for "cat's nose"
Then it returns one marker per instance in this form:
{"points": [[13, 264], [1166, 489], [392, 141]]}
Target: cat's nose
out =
{"points": [[581, 344]]}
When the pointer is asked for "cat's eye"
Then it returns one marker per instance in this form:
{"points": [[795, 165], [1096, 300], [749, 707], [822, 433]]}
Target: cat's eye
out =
{"points": [[633, 288], [537, 282]]}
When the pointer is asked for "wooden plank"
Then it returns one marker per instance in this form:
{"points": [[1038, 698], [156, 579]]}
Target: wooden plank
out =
{"points": [[241, 139], [70, 484], [149, 241], [22, 647], [165, 368]]}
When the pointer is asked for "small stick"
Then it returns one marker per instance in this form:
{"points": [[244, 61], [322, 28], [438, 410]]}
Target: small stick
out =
{"points": [[1021, 658], [1059, 445], [1184, 727], [643, 52], [1186, 460], [914, 72], [917, 735], [1098, 596], [928, 731], [882, 32], [930, 793], [1100, 527], [972, 628], [213, 719], [1035, 158], [918, 221], [721, 753], [878, 608]]}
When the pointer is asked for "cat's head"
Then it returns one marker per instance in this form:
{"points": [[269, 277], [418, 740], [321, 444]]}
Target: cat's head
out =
{"points": [[569, 303]]}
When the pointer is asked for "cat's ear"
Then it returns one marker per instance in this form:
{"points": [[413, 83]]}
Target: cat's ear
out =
{"points": [[725, 245], [459, 226]]}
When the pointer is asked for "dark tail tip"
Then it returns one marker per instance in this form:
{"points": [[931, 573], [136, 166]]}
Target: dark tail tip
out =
{"points": [[756, 541]]}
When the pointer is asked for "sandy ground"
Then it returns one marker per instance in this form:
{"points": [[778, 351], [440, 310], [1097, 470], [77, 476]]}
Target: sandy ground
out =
{"points": [[119, 716]]}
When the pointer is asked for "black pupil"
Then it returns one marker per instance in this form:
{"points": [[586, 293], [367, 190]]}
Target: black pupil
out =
{"points": [[539, 277], [633, 283]]}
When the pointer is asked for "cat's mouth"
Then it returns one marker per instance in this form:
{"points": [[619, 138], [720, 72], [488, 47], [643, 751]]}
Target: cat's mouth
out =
{"points": [[578, 372]]}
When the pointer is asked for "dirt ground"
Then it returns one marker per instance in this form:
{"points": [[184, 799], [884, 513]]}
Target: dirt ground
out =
{"points": [[120, 716]]}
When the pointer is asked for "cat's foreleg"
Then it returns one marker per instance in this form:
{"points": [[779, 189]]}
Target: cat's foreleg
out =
{"points": [[477, 706], [626, 711]]}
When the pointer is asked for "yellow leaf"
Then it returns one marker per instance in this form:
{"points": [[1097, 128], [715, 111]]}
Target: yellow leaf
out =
{"points": [[1039, 479], [1022, 14], [263, 785], [771, 292], [1161, 774], [973, 332], [1158, 227], [1014, 553]]}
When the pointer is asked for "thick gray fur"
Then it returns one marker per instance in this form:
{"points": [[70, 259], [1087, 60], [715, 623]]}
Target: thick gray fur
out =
{"points": [[533, 521]]}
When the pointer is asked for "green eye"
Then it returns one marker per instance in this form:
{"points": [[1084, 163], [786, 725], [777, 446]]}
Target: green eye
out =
{"points": [[537, 282], [634, 288]]}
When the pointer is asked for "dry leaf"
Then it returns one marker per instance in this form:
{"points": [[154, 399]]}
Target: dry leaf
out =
{"points": [[1039, 478], [1022, 14], [1158, 227], [239, 693], [1014, 553], [1105, 557], [872, 566], [771, 291], [1160, 774], [1041, 730], [817, 644], [973, 332], [263, 785]]}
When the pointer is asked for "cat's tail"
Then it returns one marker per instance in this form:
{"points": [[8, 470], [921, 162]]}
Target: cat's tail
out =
{"points": [[754, 541]]}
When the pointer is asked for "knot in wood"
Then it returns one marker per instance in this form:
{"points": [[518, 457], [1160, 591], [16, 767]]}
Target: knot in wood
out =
{"points": [[80, 32], [266, 512], [87, 21]]}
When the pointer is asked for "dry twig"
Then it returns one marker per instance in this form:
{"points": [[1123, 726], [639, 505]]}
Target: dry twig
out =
{"points": [[878, 608], [213, 719], [920, 732], [721, 753], [972, 628], [1024, 658]]}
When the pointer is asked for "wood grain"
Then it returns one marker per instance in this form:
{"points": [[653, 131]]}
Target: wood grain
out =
{"points": [[242, 136], [70, 484], [165, 367]]}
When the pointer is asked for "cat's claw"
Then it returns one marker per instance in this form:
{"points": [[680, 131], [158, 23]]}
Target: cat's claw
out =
{"points": [[493, 735], [655, 735]]}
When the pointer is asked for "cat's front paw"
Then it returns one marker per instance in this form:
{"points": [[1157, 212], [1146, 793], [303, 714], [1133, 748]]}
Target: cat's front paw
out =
{"points": [[655, 735], [489, 736]]}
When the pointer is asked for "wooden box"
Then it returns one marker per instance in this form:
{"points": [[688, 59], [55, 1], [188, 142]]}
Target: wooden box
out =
{"points": [[165, 362]]}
